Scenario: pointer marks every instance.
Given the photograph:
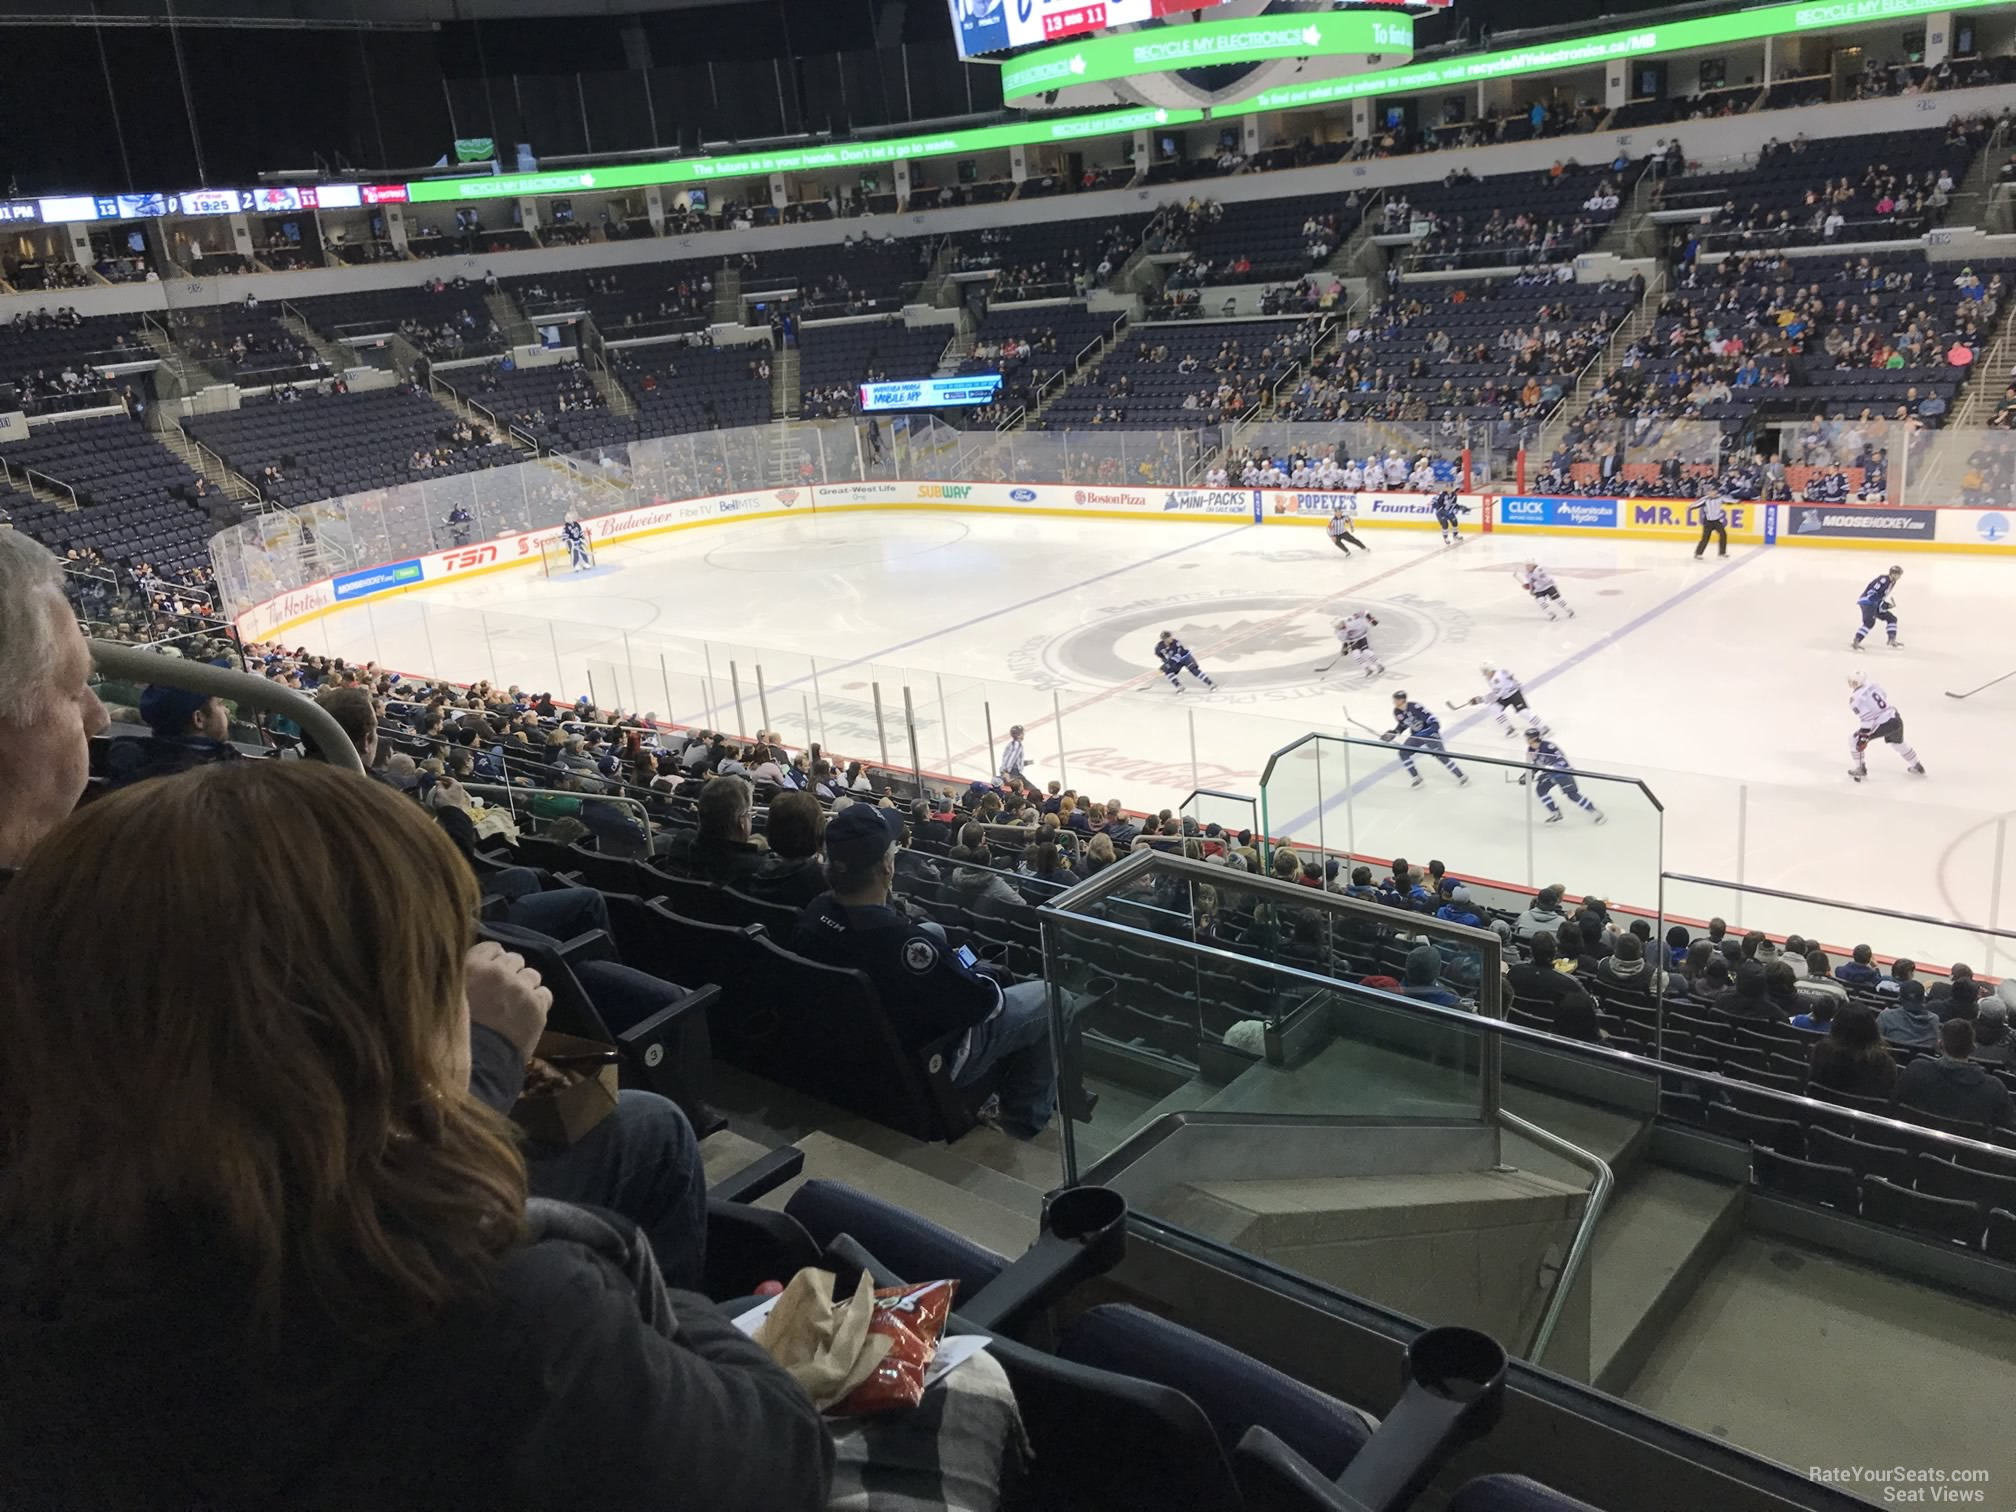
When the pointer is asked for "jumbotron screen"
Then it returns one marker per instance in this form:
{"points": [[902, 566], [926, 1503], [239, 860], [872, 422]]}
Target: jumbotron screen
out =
{"points": [[987, 26]]}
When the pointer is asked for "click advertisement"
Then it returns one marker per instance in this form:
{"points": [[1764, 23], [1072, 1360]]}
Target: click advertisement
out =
{"points": [[1521, 511]]}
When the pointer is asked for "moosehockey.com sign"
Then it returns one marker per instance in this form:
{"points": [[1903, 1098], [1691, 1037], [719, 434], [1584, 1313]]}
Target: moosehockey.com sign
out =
{"points": [[1864, 524]]}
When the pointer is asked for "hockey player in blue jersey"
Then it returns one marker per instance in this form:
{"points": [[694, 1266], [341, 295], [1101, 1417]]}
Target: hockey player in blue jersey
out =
{"points": [[1448, 514], [1175, 659], [1875, 605], [577, 544], [1424, 733], [1551, 765], [459, 520]]}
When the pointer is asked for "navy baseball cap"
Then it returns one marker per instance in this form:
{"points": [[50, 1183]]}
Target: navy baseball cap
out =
{"points": [[860, 834], [167, 711]]}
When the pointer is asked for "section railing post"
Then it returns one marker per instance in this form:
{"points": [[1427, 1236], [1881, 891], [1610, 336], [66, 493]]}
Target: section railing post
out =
{"points": [[945, 727], [707, 651], [762, 700], [665, 682], [881, 735], [819, 699], [735, 687], [1995, 890], [910, 724], [1195, 784], [987, 713], [1742, 828], [1057, 711]]}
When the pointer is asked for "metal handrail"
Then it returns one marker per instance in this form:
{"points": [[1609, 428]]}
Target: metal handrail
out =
{"points": [[317, 725], [1859, 908], [1600, 1182], [1510, 763], [481, 788]]}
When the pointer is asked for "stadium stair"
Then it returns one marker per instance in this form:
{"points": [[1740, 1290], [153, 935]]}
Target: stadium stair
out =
{"points": [[461, 410], [202, 460], [335, 356], [510, 319], [784, 392], [1637, 324], [987, 1186], [613, 393], [728, 296], [1662, 1234]]}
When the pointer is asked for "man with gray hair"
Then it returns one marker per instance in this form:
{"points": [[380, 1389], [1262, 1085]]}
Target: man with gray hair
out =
{"points": [[48, 712]]}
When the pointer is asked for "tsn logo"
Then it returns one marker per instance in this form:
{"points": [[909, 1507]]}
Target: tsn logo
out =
{"points": [[462, 561]]}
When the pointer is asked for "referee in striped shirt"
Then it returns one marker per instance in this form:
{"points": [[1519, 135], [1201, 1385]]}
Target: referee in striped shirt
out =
{"points": [[1715, 522]]}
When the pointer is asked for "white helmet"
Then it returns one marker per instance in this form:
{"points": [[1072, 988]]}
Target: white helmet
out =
{"points": [[1531, 565], [1489, 668], [1856, 680]]}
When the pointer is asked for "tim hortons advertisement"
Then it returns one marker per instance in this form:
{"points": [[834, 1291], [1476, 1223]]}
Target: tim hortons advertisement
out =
{"points": [[261, 620]]}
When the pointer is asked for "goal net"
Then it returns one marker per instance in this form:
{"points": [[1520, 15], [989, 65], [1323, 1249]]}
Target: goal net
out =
{"points": [[553, 558]]}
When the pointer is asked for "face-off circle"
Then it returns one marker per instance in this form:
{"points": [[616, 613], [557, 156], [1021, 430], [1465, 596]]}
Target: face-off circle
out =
{"points": [[1250, 643]]}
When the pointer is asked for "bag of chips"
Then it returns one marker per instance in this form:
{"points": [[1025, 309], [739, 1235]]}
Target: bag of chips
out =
{"points": [[911, 1318]]}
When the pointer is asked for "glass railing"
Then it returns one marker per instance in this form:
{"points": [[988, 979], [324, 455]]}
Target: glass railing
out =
{"points": [[1354, 797], [1350, 1133], [1276, 1102]]}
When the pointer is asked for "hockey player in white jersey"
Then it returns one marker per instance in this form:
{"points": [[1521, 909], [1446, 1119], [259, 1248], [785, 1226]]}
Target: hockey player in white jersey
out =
{"points": [[1502, 689], [1876, 718], [1539, 582], [1354, 634]]}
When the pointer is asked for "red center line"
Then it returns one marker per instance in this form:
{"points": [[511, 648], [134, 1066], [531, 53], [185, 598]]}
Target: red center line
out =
{"points": [[1149, 679]]}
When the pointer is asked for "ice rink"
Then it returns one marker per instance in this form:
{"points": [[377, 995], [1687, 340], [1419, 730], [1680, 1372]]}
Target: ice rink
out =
{"points": [[1720, 685]]}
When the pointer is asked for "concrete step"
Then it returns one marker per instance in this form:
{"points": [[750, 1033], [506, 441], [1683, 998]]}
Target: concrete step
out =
{"points": [[1660, 1235], [510, 320], [1812, 1359], [829, 1157], [986, 1177], [1614, 1137], [725, 1152]]}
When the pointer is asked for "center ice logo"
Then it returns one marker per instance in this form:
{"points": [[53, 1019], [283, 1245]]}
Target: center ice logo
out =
{"points": [[1262, 649]]}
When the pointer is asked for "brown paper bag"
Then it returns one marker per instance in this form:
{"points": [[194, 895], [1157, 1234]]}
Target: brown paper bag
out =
{"points": [[824, 1346], [563, 1118]]}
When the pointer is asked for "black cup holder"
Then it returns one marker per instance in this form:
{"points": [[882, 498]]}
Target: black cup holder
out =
{"points": [[1456, 1364], [1092, 1217], [1084, 1235]]}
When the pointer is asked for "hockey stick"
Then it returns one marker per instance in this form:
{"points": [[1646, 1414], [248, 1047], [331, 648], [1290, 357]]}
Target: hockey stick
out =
{"points": [[1984, 687], [1329, 664], [1460, 703], [1382, 734]]}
